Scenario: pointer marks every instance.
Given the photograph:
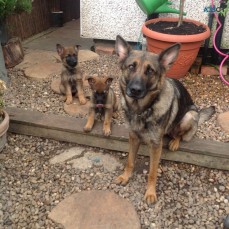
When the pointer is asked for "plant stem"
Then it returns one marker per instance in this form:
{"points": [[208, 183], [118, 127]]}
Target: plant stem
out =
{"points": [[180, 21]]}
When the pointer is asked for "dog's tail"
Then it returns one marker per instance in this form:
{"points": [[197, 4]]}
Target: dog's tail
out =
{"points": [[205, 114]]}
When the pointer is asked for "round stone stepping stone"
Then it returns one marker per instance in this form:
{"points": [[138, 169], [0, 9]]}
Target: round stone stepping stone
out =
{"points": [[34, 57], [86, 55], [95, 209], [76, 109], [55, 85], [40, 64], [42, 71], [223, 120]]}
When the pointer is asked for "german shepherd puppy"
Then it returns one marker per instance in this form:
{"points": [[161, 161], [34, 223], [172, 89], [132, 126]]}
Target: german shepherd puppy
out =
{"points": [[71, 75], [103, 101], [154, 106]]}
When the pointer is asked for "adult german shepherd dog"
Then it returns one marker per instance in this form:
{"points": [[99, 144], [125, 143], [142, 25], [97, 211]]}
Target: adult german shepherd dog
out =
{"points": [[154, 106]]}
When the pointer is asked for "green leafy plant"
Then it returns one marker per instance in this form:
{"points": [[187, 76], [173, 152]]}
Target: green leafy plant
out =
{"points": [[225, 9], [8, 7]]}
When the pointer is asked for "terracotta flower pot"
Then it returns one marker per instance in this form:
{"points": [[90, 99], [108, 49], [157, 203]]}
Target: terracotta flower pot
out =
{"points": [[4, 125], [190, 45]]}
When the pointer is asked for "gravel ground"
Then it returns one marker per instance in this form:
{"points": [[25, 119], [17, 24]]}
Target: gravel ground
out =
{"points": [[188, 196]]}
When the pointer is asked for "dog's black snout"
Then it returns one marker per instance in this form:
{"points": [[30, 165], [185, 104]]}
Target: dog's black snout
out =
{"points": [[100, 98], [136, 89], [71, 61]]}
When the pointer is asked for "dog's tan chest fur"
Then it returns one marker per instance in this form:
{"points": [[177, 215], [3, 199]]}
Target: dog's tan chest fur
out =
{"points": [[144, 122]]}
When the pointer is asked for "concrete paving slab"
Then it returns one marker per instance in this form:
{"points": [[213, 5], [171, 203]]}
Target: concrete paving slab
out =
{"points": [[81, 159], [223, 120], [66, 155], [81, 163], [67, 35], [95, 210], [107, 161]]}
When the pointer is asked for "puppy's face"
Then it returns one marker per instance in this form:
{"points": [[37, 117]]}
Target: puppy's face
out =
{"points": [[100, 87], [68, 55], [143, 71]]}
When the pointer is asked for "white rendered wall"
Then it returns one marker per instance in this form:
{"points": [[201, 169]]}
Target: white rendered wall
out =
{"points": [[104, 19]]}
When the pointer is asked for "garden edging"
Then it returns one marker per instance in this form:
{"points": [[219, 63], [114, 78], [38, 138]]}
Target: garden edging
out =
{"points": [[207, 153]]}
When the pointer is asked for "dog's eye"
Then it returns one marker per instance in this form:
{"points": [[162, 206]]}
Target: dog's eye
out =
{"points": [[131, 67], [149, 71]]}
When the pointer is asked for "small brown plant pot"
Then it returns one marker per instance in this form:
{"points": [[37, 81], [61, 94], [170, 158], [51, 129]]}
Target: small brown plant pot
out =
{"points": [[4, 125], [190, 45]]}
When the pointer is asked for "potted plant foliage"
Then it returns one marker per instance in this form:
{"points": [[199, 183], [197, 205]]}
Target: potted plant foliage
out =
{"points": [[163, 32], [4, 117], [8, 7]]}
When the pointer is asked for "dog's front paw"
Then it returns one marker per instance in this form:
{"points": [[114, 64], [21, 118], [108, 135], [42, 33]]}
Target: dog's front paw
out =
{"points": [[68, 101], [122, 179], [87, 129], [83, 101], [150, 196], [174, 144], [106, 131]]}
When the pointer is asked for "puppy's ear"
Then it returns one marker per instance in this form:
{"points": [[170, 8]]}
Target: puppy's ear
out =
{"points": [[91, 80], [77, 47], [59, 49], [122, 48], [168, 56]]}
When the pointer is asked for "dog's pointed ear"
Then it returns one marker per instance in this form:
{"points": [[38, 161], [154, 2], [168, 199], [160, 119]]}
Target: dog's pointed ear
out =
{"points": [[91, 80], [122, 48], [59, 49], [168, 56], [77, 47]]}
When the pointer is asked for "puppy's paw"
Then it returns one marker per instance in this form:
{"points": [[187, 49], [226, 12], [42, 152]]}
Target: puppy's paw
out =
{"points": [[106, 131], [68, 101], [122, 179], [174, 144], [63, 98], [87, 129], [150, 196], [82, 101]]}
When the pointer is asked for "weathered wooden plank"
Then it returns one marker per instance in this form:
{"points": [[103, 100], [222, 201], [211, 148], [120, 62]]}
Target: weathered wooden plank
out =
{"points": [[210, 154], [25, 25]]}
